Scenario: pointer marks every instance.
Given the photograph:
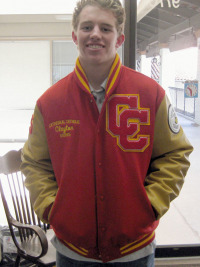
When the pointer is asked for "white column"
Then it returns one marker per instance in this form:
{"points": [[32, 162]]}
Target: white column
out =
{"points": [[197, 101], [145, 65], [167, 71]]}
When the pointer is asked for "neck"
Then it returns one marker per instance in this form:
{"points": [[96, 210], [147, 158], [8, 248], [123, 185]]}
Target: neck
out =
{"points": [[96, 80], [96, 73]]}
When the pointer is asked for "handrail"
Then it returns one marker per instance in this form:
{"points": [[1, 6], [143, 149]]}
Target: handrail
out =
{"points": [[10, 140]]}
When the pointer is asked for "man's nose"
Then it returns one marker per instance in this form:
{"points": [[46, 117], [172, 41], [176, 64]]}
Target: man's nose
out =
{"points": [[96, 33]]}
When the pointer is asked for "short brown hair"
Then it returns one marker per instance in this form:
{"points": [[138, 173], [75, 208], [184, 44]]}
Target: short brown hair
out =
{"points": [[114, 6]]}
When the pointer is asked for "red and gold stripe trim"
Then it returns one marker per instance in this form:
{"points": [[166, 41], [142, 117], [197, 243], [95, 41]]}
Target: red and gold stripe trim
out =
{"points": [[79, 250], [127, 249], [136, 245], [112, 77], [81, 75]]}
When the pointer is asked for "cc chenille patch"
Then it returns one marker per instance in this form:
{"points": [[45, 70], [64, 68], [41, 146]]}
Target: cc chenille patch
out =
{"points": [[125, 119], [173, 120]]}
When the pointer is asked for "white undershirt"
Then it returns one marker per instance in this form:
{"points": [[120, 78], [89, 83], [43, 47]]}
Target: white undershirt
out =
{"points": [[99, 95]]}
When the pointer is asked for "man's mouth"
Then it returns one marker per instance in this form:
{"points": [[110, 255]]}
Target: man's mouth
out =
{"points": [[94, 46]]}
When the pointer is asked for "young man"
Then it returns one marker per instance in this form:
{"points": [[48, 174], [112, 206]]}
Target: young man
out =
{"points": [[105, 153]]}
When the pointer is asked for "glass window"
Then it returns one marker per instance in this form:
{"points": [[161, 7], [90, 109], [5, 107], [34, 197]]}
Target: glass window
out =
{"points": [[64, 58], [168, 50]]}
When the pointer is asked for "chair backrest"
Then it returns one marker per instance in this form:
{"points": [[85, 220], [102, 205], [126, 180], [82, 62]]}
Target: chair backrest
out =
{"points": [[15, 196]]}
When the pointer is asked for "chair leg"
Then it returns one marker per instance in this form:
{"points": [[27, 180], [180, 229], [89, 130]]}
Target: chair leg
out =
{"points": [[17, 261]]}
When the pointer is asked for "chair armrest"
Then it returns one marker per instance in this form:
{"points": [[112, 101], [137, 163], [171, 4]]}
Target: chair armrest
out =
{"points": [[38, 232], [10, 162]]}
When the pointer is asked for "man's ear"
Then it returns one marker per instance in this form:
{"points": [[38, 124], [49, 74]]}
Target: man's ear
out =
{"points": [[120, 40], [74, 37]]}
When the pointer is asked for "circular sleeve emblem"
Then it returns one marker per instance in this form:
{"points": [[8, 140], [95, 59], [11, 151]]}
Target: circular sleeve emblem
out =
{"points": [[173, 120]]}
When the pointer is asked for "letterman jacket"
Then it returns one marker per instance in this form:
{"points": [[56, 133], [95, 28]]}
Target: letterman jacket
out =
{"points": [[107, 177]]}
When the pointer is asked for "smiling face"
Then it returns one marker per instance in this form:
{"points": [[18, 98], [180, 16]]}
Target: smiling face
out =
{"points": [[96, 36]]}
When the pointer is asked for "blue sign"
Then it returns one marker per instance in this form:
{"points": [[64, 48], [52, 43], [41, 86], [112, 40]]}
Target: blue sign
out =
{"points": [[191, 89]]}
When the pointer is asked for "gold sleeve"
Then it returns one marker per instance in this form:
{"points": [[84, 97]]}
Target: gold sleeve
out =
{"points": [[170, 160], [37, 168]]}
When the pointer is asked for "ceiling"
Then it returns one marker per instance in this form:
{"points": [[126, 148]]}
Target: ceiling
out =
{"points": [[172, 25]]}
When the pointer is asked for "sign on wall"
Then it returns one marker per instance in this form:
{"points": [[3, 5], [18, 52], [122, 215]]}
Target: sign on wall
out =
{"points": [[191, 89]]}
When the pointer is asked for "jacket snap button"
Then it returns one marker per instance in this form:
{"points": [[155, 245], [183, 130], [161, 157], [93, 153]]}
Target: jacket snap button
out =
{"points": [[102, 198], [100, 164]]}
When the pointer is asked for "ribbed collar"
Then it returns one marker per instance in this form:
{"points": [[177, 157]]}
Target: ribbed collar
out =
{"points": [[112, 77]]}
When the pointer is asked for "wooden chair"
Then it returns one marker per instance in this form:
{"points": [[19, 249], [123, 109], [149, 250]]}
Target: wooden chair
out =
{"points": [[30, 236]]}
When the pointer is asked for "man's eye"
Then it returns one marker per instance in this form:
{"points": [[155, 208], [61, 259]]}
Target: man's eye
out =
{"points": [[86, 28], [105, 29]]}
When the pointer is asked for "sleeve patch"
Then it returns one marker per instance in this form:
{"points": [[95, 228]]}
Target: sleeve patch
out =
{"points": [[173, 120]]}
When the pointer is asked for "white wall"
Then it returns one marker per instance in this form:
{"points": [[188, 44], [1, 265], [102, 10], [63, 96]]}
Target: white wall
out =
{"points": [[37, 7], [146, 65], [24, 73]]}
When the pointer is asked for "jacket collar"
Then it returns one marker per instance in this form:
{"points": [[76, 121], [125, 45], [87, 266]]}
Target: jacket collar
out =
{"points": [[112, 77]]}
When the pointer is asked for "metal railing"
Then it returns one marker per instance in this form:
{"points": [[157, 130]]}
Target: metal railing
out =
{"points": [[182, 104]]}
